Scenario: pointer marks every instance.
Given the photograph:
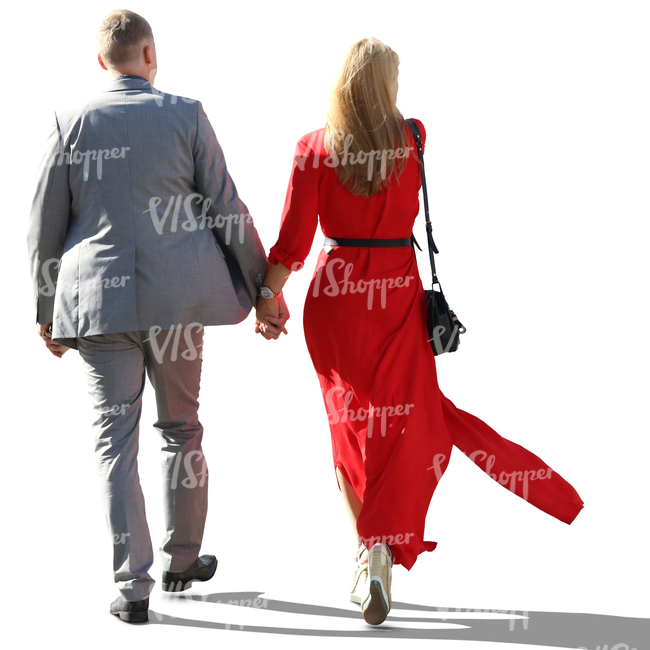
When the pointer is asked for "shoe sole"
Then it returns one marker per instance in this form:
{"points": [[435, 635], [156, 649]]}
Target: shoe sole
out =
{"points": [[182, 585], [132, 617], [375, 608], [178, 586], [376, 605]]}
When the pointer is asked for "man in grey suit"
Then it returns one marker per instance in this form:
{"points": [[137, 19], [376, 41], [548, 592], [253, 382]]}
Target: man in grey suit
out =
{"points": [[137, 241]]}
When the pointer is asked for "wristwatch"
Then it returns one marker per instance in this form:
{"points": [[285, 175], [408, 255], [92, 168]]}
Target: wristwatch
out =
{"points": [[267, 293]]}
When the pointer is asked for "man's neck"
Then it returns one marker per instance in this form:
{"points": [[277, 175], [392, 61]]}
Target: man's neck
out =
{"points": [[130, 76], [128, 73]]}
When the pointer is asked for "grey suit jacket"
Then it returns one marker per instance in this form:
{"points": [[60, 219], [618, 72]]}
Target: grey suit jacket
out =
{"points": [[136, 223]]}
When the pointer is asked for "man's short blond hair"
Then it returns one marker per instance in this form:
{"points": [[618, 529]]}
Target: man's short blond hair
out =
{"points": [[119, 37]]}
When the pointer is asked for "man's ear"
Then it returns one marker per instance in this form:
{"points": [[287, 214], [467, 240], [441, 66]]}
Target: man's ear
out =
{"points": [[148, 59], [101, 62]]}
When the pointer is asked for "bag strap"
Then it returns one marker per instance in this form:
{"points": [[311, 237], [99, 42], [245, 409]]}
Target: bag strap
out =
{"points": [[432, 245]]}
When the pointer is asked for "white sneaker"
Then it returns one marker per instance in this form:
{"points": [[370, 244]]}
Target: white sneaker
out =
{"points": [[377, 602], [359, 588]]}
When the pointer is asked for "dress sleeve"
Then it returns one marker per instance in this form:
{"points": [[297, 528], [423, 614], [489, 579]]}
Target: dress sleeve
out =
{"points": [[300, 213]]}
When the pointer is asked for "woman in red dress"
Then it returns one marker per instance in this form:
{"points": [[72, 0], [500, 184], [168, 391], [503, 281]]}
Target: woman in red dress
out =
{"points": [[365, 326]]}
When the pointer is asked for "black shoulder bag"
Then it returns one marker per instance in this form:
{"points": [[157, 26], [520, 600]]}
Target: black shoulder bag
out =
{"points": [[443, 324]]}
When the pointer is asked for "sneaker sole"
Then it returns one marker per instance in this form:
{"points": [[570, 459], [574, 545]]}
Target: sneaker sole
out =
{"points": [[375, 608]]}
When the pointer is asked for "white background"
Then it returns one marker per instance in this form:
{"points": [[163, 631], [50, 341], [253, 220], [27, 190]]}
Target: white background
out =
{"points": [[538, 167]]}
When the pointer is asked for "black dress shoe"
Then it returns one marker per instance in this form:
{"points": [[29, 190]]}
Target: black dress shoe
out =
{"points": [[202, 569], [131, 611]]}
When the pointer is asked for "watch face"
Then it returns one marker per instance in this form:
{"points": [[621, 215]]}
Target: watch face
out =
{"points": [[266, 293]]}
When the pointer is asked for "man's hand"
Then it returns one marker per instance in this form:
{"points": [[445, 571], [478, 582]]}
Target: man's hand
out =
{"points": [[270, 317], [263, 309], [56, 349]]}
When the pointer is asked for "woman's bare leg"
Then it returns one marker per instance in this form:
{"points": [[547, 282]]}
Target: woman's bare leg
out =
{"points": [[352, 502]]}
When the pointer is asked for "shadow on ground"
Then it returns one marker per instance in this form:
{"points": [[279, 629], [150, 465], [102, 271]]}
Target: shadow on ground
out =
{"points": [[553, 629]]}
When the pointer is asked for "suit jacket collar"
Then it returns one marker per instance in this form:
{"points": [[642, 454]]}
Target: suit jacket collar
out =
{"points": [[128, 84]]}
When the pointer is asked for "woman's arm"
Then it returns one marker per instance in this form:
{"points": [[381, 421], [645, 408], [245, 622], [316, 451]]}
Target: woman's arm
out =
{"points": [[298, 225], [276, 277], [271, 314]]}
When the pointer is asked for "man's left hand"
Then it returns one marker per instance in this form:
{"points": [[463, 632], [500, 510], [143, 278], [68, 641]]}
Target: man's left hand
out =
{"points": [[56, 349]]}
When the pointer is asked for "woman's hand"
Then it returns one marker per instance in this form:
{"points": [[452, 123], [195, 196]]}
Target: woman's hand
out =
{"points": [[282, 318], [272, 314]]}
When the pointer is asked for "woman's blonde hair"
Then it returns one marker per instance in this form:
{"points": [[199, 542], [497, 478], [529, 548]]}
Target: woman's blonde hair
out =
{"points": [[364, 128]]}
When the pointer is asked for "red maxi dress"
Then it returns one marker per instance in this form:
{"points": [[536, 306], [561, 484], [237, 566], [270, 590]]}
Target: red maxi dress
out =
{"points": [[364, 319]]}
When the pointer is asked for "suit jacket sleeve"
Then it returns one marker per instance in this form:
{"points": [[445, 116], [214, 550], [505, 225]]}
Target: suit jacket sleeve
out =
{"points": [[48, 223], [231, 223]]}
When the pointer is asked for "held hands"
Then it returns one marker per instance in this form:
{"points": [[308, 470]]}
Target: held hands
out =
{"points": [[270, 317], [56, 349]]}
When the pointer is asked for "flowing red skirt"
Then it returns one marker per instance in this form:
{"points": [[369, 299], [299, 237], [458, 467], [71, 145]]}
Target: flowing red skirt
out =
{"points": [[392, 428]]}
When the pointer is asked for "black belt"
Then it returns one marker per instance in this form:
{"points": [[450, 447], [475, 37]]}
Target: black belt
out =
{"points": [[370, 243]]}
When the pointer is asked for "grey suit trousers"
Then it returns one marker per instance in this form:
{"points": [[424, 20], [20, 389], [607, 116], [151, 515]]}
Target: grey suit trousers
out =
{"points": [[115, 366]]}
